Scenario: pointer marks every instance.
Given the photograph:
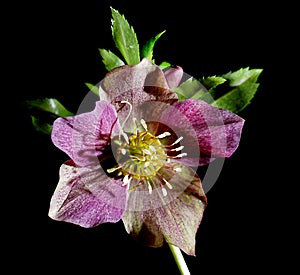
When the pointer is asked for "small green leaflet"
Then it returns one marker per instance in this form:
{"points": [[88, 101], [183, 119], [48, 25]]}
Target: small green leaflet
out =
{"points": [[212, 82], [244, 84], [50, 105], [232, 91], [242, 75], [41, 126], [110, 60], [93, 88], [163, 65], [125, 38], [147, 50], [44, 112]]}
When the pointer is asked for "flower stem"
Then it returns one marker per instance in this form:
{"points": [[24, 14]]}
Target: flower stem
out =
{"points": [[179, 260]]}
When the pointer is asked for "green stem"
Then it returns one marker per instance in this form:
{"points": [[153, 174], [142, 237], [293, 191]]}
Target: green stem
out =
{"points": [[179, 260]]}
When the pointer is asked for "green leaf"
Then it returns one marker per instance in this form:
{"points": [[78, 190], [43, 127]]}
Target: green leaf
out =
{"points": [[44, 111], [50, 105], [93, 88], [110, 60], [40, 126], [244, 83], [212, 82], [125, 38], [147, 50], [192, 88], [164, 65], [242, 75]]}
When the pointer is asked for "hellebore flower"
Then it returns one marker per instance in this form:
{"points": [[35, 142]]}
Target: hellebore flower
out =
{"points": [[133, 157]]}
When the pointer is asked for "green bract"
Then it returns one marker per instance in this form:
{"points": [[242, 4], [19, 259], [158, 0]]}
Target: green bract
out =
{"points": [[110, 60], [125, 38], [44, 111], [147, 50], [242, 86], [238, 88]]}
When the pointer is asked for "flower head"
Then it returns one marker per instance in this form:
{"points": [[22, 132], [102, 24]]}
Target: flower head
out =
{"points": [[132, 157]]}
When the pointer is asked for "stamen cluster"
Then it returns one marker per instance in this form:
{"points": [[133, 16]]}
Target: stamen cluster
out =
{"points": [[140, 157]]}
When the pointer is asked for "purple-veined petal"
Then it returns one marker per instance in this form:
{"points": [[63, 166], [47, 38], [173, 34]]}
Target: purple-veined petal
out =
{"points": [[173, 76], [176, 221], [87, 197], [218, 131], [135, 84], [165, 118], [128, 78], [84, 137]]}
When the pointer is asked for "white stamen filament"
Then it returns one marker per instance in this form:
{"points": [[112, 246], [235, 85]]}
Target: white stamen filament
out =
{"points": [[180, 155], [126, 180], [149, 187], [140, 158], [163, 135], [143, 122], [135, 121], [178, 169], [177, 149], [177, 140], [147, 164], [111, 170], [164, 191], [152, 148], [168, 184], [147, 152]]}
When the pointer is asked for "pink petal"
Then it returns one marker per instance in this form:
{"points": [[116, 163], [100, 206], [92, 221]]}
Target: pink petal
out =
{"points": [[128, 78], [87, 197], [135, 84], [84, 137], [218, 131], [176, 220]]}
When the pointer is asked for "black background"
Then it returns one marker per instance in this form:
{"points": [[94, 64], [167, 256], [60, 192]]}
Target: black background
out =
{"points": [[54, 51]]}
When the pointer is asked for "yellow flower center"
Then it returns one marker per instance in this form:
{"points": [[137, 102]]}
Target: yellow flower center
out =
{"points": [[142, 157]]}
